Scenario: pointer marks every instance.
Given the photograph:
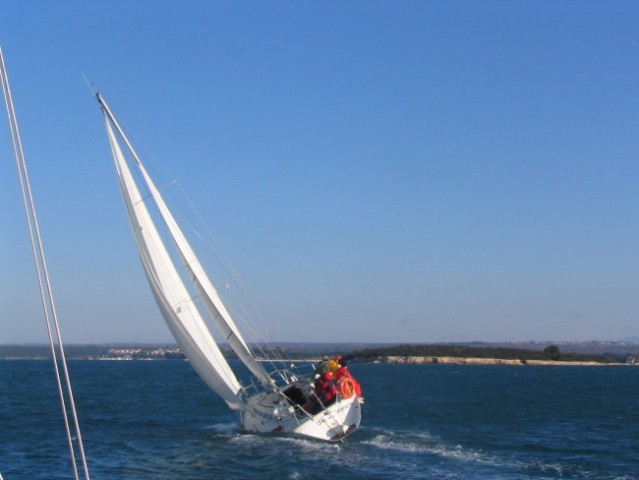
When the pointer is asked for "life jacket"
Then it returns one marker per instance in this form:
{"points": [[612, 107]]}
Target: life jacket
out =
{"points": [[343, 372], [333, 366]]}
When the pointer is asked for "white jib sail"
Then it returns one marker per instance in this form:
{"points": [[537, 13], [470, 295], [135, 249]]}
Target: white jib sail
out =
{"points": [[176, 305], [209, 295]]}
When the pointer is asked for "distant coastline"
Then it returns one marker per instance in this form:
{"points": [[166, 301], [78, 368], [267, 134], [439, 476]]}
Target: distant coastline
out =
{"points": [[565, 354], [494, 361], [622, 354], [93, 352]]}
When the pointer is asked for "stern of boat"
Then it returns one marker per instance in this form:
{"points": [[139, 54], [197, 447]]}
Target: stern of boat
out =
{"points": [[335, 422]]}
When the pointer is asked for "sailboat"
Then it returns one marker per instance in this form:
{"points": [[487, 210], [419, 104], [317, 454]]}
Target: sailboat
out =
{"points": [[276, 401]]}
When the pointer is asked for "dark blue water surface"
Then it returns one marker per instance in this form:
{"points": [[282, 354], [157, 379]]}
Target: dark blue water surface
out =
{"points": [[156, 420]]}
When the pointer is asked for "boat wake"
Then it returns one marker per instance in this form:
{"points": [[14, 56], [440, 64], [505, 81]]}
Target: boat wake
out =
{"points": [[423, 455], [424, 442]]}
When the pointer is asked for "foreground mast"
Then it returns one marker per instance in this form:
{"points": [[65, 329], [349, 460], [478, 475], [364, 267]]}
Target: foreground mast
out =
{"points": [[63, 381]]}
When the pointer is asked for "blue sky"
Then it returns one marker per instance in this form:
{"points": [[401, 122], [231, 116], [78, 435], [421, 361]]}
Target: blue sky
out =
{"points": [[374, 171]]}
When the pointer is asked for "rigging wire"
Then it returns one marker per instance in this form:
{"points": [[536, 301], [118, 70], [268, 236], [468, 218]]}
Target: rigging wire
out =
{"points": [[44, 283], [263, 340]]}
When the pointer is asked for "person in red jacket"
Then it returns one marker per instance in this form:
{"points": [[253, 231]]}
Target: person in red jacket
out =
{"points": [[342, 371], [327, 389], [325, 392]]}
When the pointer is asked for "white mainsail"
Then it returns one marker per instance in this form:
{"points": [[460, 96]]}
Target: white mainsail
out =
{"points": [[177, 307]]}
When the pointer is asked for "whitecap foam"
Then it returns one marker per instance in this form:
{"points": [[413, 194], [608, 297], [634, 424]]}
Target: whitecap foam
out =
{"points": [[227, 429], [306, 444], [407, 442]]}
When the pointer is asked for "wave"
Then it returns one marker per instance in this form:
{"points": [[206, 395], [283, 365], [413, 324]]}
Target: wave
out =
{"points": [[286, 443]]}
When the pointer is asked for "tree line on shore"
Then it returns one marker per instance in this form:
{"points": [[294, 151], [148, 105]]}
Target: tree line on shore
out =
{"points": [[551, 352]]}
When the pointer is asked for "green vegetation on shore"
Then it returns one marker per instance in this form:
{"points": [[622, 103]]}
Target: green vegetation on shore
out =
{"points": [[551, 352]]}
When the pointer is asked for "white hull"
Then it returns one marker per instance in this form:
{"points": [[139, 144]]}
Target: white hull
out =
{"points": [[267, 412]]}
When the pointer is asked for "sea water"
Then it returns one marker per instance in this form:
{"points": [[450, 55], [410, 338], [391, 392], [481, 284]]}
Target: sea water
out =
{"points": [[157, 420]]}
